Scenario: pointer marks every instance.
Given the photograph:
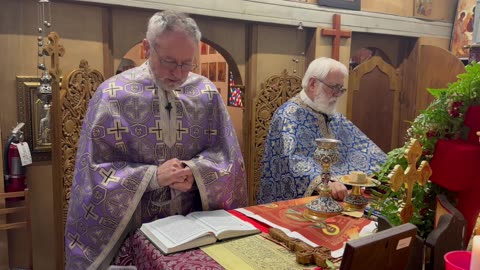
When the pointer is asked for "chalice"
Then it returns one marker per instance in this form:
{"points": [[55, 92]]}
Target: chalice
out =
{"points": [[324, 205]]}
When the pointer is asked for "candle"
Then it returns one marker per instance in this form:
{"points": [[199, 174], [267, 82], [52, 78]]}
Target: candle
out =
{"points": [[475, 262]]}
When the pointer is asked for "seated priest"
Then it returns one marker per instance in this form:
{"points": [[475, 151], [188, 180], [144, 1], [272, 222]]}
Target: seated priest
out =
{"points": [[289, 169], [156, 141]]}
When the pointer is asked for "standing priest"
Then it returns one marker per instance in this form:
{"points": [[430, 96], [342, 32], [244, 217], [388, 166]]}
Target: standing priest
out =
{"points": [[156, 141], [289, 168]]}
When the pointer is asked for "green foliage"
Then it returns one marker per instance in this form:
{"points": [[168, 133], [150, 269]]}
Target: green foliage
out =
{"points": [[443, 119], [330, 264]]}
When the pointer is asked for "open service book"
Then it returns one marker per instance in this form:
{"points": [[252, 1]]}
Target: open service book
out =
{"points": [[177, 233]]}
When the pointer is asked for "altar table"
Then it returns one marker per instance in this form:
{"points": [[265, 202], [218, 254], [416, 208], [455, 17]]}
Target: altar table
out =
{"points": [[147, 256]]}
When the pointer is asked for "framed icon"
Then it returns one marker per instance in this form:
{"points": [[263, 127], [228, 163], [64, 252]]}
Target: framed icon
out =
{"points": [[31, 112], [462, 33], [203, 48], [212, 71], [211, 50]]}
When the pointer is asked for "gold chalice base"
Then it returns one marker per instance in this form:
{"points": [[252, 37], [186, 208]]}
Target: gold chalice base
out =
{"points": [[353, 207], [318, 216], [322, 207]]}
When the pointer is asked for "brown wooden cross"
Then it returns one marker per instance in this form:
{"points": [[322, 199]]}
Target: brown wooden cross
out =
{"points": [[54, 50], [411, 175], [304, 253], [337, 34]]}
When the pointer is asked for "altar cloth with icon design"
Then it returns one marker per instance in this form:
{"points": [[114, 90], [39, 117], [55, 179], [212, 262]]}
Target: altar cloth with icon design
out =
{"points": [[288, 216], [238, 252]]}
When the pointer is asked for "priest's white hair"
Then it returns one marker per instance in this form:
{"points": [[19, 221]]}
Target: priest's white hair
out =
{"points": [[172, 21], [320, 67]]}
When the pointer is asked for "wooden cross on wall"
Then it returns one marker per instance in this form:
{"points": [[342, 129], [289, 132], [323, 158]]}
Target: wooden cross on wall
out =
{"points": [[54, 50], [337, 34], [411, 175]]}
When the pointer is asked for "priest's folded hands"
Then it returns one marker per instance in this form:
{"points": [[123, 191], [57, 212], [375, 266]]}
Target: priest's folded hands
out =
{"points": [[175, 174]]}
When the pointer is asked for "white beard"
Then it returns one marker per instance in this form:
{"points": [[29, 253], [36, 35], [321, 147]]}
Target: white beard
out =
{"points": [[325, 104]]}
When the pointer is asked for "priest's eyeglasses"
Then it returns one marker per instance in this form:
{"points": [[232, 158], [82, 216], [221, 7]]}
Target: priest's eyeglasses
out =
{"points": [[172, 65], [337, 89]]}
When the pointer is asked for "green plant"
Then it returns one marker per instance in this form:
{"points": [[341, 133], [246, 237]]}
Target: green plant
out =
{"points": [[443, 119]]}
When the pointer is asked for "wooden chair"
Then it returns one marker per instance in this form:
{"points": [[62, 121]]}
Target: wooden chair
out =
{"points": [[25, 223], [275, 91]]}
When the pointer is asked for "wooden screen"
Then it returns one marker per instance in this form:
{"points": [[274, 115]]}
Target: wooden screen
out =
{"points": [[76, 91], [373, 102], [275, 91]]}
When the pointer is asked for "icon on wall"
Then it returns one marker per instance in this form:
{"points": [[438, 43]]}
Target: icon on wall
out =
{"points": [[221, 76], [462, 33], [212, 71], [423, 8], [203, 48], [204, 70], [211, 50]]}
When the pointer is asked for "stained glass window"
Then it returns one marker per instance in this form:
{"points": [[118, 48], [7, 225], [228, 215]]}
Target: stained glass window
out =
{"points": [[234, 93]]}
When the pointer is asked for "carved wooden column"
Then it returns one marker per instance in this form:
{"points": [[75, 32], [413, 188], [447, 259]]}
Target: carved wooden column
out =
{"points": [[55, 50]]}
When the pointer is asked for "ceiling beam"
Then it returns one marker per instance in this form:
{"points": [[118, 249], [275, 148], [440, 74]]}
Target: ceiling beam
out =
{"points": [[292, 13]]}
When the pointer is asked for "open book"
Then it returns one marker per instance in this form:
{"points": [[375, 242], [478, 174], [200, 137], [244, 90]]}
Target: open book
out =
{"points": [[177, 233]]}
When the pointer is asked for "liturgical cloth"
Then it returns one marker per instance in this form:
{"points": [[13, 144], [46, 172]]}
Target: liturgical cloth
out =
{"points": [[138, 251], [129, 130], [289, 167]]}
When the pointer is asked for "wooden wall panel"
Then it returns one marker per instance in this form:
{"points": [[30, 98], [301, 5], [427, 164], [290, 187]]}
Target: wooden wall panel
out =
{"points": [[3, 235], [373, 103], [408, 77], [375, 121], [18, 41], [436, 68], [401, 8], [442, 10]]}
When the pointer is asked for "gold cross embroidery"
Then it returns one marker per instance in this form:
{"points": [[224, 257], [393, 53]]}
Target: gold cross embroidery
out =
{"points": [[398, 177]]}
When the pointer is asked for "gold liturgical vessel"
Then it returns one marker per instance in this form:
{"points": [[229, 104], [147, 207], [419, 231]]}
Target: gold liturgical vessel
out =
{"points": [[324, 205], [355, 201]]}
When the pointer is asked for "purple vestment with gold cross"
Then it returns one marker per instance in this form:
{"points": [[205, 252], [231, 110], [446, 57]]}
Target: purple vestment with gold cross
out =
{"points": [[130, 128]]}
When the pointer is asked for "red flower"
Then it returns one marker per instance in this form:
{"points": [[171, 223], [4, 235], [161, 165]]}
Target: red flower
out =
{"points": [[431, 133], [455, 108]]}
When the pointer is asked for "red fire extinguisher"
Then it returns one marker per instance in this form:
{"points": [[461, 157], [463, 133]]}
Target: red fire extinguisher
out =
{"points": [[13, 171]]}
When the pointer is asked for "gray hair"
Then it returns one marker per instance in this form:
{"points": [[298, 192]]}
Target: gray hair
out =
{"points": [[171, 21], [320, 67]]}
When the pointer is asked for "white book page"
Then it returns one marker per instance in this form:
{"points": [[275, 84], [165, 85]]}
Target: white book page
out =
{"points": [[176, 230], [220, 221]]}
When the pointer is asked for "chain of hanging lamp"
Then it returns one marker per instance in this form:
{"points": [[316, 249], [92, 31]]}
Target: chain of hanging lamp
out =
{"points": [[44, 23]]}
